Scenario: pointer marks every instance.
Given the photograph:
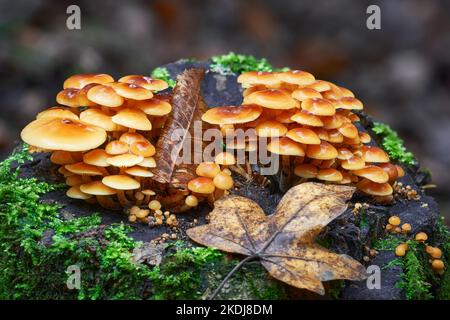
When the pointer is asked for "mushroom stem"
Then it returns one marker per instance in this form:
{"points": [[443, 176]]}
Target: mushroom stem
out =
{"points": [[85, 178], [285, 173], [107, 203], [123, 199]]}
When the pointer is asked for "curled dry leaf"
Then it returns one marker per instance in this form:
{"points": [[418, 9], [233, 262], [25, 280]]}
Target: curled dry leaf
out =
{"points": [[188, 106], [284, 241]]}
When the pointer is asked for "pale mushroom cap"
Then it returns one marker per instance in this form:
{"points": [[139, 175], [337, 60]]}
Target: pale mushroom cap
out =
{"points": [[139, 172], [329, 174], [105, 96], [319, 107], [225, 158], [270, 129], [320, 85], [131, 91], [201, 185], [298, 77], [97, 188], [286, 146], [57, 112], [372, 173], [374, 154], [78, 81], [98, 118], [75, 193], [131, 137], [148, 192], [353, 163], [306, 170], [346, 92], [303, 135], [272, 99], [207, 169], [349, 104], [374, 189], [68, 97], [133, 118], [62, 157], [117, 147], [82, 168], [63, 134], [349, 130], [223, 181], [148, 162], [251, 78], [154, 107], [121, 182], [307, 119], [232, 114], [96, 157], [322, 151], [125, 160], [344, 154], [302, 94], [364, 137], [145, 82], [143, 148]]}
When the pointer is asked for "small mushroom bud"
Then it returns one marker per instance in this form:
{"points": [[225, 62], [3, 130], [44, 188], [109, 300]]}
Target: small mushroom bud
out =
{"points": [[191, 201], [429, 249], [436, 253], [154, 205], [437, 265], [406, 227], [132, 218], [223, 181], [394, 220], [207, 169], [201, 185], [400, 250], [227, 171], [398, 229], [142, 213], [421, 237], [390, 227]]}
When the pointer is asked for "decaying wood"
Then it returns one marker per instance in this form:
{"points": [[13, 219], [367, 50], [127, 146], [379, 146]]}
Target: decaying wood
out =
{"points": [[284, 241]]}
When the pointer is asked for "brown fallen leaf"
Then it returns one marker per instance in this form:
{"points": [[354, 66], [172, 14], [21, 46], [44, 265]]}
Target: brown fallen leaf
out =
{"points": [[283, 241], [188, 106]]}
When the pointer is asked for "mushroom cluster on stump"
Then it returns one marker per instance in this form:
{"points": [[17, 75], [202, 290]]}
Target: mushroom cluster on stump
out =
{"points": [[102, 136], [310, 123]]}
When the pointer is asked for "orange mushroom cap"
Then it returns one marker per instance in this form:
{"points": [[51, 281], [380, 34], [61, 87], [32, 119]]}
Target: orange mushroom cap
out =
{"points": [[98, 118], [374, 154], [201, 185], [372, 173], [121, 182], [306, 170], [105, 96], [297, 77], [145, 82], [270, 129], [132, 118], [319, 107], [303, 135], [374, 189], [232, 114], [154, 107], [307, 119], [329, 174], [322, 151], [78, 81], [272, 99]]}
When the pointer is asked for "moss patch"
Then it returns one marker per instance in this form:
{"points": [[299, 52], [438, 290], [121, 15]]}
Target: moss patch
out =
{"points": [[163, 74], [239, 63], [393, 144]]}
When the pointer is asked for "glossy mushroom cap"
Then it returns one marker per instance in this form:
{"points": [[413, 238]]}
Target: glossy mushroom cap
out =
{"points": [[132, 118], [252, 78], [374, 154], [306, 170], [272, 99], [297, 77], [148, 162], [63, 134], [232, 114], [201, 185], [349, 104], [305, 118], [319, 107], [329, 174], [142, 148], [68, 97], [131, 91], [286, 146], [131, 137], [322, 151], [125, 160], [225, 158], [98, 118], [75, 193], [78, 81], [82, 168], [353, 163], [372, 173], [145, 82], [97, 158], [116, 147], [139, 171], [303, 135], [57, 112], [97, 188], [105, 96], [302, 94], [270, 129], [374, 189], [223, 181], [121, 182], [207, 169], [154, 107]]}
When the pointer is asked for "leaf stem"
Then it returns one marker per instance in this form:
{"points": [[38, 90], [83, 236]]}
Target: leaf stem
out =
{"points": [[234, 270]]}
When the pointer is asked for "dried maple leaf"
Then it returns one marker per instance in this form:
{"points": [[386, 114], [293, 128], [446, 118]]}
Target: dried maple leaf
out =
{"points": [[188, 106], [283, 241]]}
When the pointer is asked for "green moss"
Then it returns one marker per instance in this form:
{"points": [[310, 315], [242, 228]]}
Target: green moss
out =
{"points": [[443, 240], [335, 290], [416, 272], [388, 243], [238, 63], [163, 74], [392, 143]]}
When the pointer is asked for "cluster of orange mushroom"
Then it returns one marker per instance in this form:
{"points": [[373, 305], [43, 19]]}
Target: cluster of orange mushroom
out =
{"points": [[101, 136], [311, 124]]}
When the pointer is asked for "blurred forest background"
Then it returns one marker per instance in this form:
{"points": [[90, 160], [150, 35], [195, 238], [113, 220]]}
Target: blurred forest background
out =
{"points": [[401, 72]]}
